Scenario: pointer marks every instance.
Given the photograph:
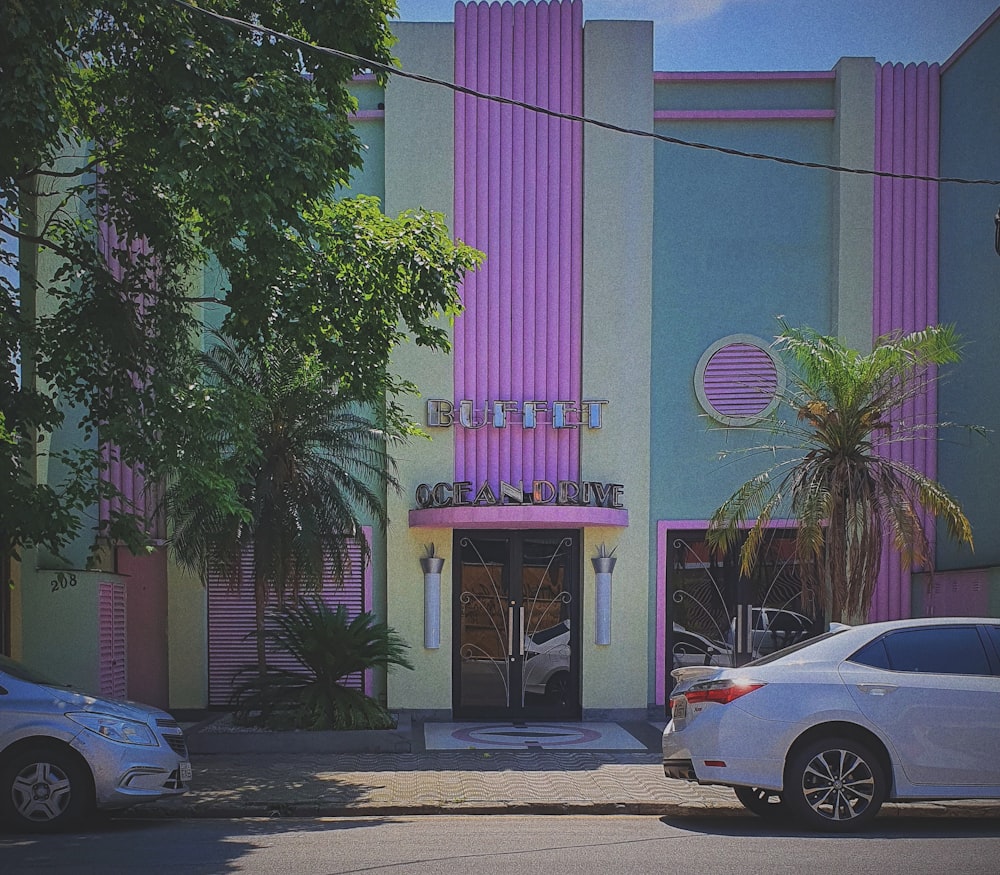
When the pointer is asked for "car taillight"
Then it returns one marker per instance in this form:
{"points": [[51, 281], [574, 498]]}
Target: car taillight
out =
{"points": [[720, 692]]}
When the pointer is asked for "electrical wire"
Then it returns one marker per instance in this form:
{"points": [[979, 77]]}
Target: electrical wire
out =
{"points": [[365, 63]]}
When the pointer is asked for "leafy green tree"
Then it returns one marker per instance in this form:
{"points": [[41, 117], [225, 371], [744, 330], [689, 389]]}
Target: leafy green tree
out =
{"points": [[329, 645], [833, 468], [287, 471], [186, 141]]}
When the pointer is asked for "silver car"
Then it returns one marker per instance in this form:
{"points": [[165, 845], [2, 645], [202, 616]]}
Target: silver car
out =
{"points": [[64, 754], [827, 730]]}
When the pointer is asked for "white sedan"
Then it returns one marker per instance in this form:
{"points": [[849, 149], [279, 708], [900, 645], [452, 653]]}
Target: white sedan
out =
{"points": [[830, 728]]}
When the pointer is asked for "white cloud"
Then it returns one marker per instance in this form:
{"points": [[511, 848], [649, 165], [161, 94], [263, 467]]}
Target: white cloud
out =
{"points": [[665, 12]]}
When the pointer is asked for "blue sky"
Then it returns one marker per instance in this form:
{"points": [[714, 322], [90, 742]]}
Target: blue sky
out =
{"points": [[779, 34]]}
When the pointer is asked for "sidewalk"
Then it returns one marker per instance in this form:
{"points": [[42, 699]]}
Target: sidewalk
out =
{"points": [[352, 774]]}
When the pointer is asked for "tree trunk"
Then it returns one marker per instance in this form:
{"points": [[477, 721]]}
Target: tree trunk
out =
{"points": [[260, 597]]}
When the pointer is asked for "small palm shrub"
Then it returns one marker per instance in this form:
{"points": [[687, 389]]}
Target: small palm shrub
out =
{"points": [[329, 646]]}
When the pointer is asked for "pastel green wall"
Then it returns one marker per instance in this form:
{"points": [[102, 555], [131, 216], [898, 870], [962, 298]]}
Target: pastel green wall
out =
{"points": [[60, 624], [419, 157], [40, 266], [617, 285], [187, 637], [59, 631], [969, 294], [617, 240], [854, 201], [370, 179]]}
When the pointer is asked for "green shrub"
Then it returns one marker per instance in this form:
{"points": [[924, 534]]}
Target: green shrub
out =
{"points": [[329, 646]]}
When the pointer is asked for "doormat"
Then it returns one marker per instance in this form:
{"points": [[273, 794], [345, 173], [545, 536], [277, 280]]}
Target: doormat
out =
{"points": [[529, 736]]}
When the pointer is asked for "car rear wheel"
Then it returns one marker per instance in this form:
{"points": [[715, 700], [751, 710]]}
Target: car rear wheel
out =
{"points": [[834, 784], [764, 803], [557, 688], [44, 789]]}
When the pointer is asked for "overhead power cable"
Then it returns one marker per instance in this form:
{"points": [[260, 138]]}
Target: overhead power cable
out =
{"points": [[365, 63]]}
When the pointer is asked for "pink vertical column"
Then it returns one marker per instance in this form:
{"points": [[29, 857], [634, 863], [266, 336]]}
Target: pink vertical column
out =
{"points": [[518, 197], [518, 230], [529, 232], [905, 277]]}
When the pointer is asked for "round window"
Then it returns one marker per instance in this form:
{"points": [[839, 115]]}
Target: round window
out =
{"points": [[738, 380]]}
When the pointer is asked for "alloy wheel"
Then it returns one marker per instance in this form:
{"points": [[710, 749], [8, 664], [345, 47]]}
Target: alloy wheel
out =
{"points": [[835, 784]]}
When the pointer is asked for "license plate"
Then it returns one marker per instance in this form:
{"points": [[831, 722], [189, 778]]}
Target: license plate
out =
{"points": [[185, 772], [680, 709]]}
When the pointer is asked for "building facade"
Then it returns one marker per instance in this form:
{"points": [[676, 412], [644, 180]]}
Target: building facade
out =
{"points": [[643, 230]]}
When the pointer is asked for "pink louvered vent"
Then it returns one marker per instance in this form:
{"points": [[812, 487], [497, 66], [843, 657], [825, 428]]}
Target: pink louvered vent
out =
{"points": [[111, 611], [232, 620], [740, 380]]}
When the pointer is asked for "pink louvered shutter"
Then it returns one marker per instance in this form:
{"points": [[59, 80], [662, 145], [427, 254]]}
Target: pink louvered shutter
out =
{"points": [[231, 642], [112, 642]]}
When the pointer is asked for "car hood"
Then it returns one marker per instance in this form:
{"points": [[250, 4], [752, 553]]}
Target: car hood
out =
{"points": [[75, 701]]}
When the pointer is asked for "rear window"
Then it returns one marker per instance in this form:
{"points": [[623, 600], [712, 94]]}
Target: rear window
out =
{"points": [[931, 650], [994, 633], [794, 648]]}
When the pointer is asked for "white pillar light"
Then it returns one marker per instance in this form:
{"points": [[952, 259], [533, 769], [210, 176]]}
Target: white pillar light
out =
{"points": [[431, 566], [604, 566]]}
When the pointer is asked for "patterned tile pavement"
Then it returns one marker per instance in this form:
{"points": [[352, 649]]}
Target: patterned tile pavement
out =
{"points": [[235, 782]]}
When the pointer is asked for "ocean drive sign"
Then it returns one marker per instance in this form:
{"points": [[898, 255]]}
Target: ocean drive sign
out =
{"points": [[463, 493]]}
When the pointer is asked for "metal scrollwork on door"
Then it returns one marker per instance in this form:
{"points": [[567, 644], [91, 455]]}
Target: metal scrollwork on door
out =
{"points": [[708, 600], [546, 631], [493, 606]]}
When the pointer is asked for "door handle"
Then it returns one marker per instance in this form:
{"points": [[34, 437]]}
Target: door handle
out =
{"points": [[515, 648], [877, 689]]}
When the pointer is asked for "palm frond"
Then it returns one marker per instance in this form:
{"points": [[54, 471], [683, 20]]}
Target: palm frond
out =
{"points": [[329, 646], [841, 411]]}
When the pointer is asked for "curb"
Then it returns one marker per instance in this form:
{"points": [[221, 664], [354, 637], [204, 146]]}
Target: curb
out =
{"points": [[318, 809], [202, 739], [276, 809]]}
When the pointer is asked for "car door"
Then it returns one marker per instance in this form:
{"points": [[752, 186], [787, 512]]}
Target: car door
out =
{"points": [[934, 692]]}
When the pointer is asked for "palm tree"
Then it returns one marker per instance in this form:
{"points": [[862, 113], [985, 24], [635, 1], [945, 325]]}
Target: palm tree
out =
{"points": [[834, 469], [291, 468]]}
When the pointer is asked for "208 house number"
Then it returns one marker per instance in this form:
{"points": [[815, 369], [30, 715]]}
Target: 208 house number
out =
{"points": [[62, 581]]}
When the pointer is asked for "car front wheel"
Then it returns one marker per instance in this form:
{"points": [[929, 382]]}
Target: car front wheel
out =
{"points": [[764, 803], [834, 784], [44, 789]]}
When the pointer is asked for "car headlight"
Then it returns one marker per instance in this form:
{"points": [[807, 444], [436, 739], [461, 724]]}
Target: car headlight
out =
{"points": [[115, 728]]}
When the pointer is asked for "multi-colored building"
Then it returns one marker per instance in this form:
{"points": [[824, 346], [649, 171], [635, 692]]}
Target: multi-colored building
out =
{"points": [[643, 230]]}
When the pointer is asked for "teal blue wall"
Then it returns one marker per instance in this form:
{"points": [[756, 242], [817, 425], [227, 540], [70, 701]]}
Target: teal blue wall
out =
{"points": [[969, 294], [736, 243], [762, 94]]}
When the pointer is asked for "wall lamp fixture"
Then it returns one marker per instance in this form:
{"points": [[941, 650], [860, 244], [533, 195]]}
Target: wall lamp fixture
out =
{"points": [[431, 566], [604, 566]]}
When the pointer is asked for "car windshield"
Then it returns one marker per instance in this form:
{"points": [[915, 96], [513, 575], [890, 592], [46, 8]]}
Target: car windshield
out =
{"points": [[793, 648], [23, 673]]}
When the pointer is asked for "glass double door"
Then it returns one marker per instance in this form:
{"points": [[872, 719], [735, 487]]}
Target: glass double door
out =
{"points": [[516, 610]]}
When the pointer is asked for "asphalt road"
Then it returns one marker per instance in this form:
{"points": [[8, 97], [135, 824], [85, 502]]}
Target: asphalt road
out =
{"points": [[511, 844]]}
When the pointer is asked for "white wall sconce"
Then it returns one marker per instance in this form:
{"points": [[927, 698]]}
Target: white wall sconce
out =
{"points": [[604, 566], [431, 565]]}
